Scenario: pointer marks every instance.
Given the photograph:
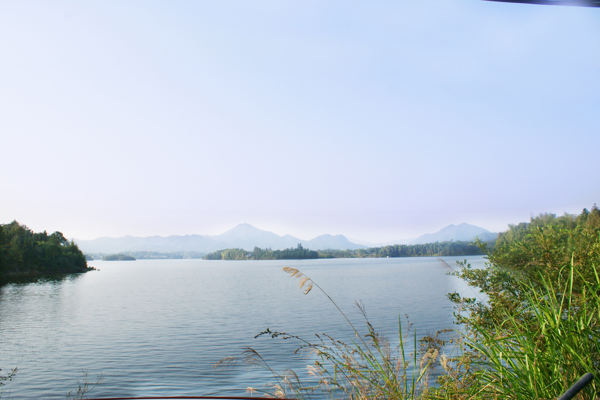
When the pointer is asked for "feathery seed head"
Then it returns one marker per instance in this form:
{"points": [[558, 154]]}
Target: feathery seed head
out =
{"points": [[304, 280]]}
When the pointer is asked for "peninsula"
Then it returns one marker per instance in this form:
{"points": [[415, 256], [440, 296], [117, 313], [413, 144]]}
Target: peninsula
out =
{"points": [[26, 255]]}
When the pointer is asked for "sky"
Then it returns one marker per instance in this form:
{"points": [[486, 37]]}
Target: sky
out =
{"points": [[380, 120]]}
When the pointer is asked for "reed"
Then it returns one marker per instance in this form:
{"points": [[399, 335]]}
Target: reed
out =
{"points": [[365, 366], [84, 386], [534, 350], [538, 350]]}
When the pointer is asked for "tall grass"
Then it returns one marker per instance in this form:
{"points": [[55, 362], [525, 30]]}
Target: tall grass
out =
{"points": [[534, 351], [365, 366], [538, 350]]}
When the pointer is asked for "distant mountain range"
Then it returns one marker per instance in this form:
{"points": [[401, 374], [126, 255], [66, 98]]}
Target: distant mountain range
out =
{"points": [[243, 236], [247, 237], [462, 232]]}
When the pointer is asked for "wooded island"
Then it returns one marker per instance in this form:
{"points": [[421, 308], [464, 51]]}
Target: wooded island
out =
{"points": [[298, 253], [397, 250]]}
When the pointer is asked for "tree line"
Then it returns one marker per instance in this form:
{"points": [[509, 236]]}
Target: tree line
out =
{"points": [[438, 249], [398, 250], [298, 253], [26, 254]]}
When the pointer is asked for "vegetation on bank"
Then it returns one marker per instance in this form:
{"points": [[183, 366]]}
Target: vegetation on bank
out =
{"points": [[298, 253], [397, 250], [228, 254], [531, 333], [26, 255], [437, 249]]}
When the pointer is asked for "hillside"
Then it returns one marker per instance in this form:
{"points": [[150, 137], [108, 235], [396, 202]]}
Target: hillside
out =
{"points": [[463, 232]]}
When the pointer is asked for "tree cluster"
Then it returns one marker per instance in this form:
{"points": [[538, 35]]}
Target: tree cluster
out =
{"points": [[227, 254], [415, 250], [298, 253], [547, 243], [537, 252], [24, 253], [536, 329]]}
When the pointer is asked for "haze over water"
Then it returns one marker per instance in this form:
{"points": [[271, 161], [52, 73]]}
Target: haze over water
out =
{"points": [[157, 327]]}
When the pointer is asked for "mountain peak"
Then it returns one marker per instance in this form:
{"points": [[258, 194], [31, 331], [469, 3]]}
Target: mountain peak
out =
{"points": [[327, 241], [460, 232], [242, 228], [243, 236], [244, 225]]}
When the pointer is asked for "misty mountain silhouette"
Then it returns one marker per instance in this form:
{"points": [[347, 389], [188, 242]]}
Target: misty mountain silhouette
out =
{"points": [[462, 232], [243, 236]]}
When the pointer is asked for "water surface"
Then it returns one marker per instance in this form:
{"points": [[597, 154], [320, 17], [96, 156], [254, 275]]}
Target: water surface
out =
{"points": [[156, 327]]}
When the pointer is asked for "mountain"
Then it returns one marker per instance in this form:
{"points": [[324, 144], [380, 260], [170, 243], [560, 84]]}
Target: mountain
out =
{"points": [[337, 242], [462, 232], [247, 237], [243, 236]]}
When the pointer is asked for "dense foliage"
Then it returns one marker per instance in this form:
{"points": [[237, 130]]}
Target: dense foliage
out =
{"points": [[227, 254], [403, 250], [298, 253], [543, 246], [536, 253], [536, 329], [398, 250], [25, 254]]}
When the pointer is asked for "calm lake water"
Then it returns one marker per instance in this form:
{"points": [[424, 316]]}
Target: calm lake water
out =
{"points": [[156, 327]]}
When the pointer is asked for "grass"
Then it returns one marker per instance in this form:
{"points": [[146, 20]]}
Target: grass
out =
{"points": [[83, 387], [366, 366], [539, 350], [534, 352]]}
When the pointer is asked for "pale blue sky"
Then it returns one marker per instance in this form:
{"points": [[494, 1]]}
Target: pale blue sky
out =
{"points": [[380, 120]]}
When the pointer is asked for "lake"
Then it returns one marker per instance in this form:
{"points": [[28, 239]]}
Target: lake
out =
{"points": [[157, 327]]}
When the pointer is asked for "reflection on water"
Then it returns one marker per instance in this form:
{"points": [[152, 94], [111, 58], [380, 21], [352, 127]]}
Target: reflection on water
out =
{"points": [[47, 279], [156, 327]]}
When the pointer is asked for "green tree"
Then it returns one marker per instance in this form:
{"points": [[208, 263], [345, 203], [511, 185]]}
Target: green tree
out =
{"points": [[25, 254]]}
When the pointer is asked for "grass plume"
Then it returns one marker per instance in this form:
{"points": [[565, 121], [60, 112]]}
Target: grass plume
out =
{"points": [[531, 334]]}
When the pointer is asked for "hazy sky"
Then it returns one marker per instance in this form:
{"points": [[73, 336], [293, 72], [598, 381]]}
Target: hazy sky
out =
{"points": [[379, 120]]}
